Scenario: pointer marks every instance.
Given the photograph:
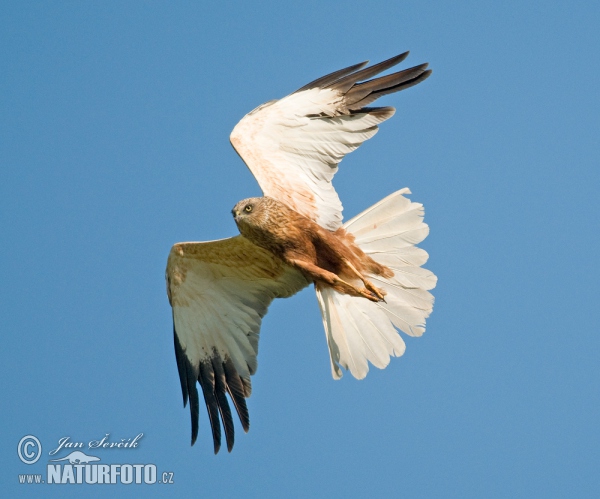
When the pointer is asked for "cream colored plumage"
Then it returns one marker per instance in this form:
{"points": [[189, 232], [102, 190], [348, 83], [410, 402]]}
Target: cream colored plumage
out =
{"points": [[358, 330], [220, 290]]}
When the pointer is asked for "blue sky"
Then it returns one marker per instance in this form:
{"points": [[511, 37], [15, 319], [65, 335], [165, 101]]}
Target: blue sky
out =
{"points": [[114, 126]]}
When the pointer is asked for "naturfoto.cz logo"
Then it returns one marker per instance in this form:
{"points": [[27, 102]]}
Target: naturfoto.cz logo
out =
{"points": [[78, 467]]}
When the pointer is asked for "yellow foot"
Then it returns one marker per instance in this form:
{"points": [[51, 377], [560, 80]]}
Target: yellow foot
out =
{"points": [[380, 293], [369, 295]]}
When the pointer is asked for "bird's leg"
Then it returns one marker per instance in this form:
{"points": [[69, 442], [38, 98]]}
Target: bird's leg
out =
{"points": [[368, 284], [319, 274]]}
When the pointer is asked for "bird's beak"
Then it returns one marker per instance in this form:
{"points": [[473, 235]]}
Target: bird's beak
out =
{"points": [[235, 213]]}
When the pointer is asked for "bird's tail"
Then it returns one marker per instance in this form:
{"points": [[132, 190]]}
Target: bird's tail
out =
{"points": [[358, 330]]}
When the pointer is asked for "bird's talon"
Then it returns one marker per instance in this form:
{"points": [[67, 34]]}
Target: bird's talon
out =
{"points": [[369, 295]]}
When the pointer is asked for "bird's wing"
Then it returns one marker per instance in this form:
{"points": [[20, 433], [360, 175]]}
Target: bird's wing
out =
{"points": [[219, 291], [293, 145]]}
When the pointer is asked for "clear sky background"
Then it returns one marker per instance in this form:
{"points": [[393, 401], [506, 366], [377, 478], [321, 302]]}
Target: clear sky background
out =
{"points": [[114, 126]]}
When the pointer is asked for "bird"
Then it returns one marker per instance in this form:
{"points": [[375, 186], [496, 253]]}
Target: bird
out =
{"points": [[367, 273]]}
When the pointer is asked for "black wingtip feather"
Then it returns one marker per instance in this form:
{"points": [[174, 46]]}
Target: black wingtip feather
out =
{"points": [[181, 366], [332, 77], [217, 377], [417, 78], [347, 78], [388, 81], [194, 410], [220, 392], [187, 379], [362, 94], [343, 84], [358, 93], [235, 387], [207, 383]]}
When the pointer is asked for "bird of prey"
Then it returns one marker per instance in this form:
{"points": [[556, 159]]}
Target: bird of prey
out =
{"points": [[367, 272]]}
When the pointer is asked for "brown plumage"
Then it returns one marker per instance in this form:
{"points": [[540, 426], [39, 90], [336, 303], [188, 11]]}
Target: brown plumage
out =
{"points": [[324, 256]]}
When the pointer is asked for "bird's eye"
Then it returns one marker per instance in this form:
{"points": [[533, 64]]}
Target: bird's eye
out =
{"points": [[248, 208]]}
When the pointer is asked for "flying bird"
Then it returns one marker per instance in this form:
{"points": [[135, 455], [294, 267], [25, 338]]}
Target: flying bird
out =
{"points": [[367, 272]]}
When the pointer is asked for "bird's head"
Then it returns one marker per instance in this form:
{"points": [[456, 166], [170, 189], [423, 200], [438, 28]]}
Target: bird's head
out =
{"points": [[250, 212]]}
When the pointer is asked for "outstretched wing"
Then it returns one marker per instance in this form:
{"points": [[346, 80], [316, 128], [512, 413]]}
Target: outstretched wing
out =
{"points": [[293, 145], [220, 291]]}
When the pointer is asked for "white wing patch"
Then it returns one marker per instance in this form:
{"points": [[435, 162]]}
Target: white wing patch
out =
{"points": [[295, 156]]}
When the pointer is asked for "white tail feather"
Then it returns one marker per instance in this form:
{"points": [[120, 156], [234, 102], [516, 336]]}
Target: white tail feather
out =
{"points": [[359, 331]]}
